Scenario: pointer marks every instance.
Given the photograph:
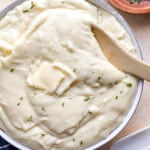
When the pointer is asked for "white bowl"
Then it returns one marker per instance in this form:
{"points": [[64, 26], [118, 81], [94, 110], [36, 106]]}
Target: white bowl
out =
{"points": [[136, 99]]}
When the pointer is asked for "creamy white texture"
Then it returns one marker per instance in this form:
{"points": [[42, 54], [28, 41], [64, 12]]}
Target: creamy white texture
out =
{"points": [[58, 91]]}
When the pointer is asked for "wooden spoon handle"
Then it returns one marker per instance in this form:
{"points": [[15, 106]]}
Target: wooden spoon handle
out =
{"points": [[119, 57], [132, 65]]}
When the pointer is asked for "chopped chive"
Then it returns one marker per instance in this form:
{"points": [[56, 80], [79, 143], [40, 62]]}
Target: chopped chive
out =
{"points": [[25, 11], [18, 104], [11, 70], [81, 142], [73, 140], [116, 97], [86, 99], [43, 108], [121, 92], [110, 84], [90, 112], [32, 5], [116, 82], [74, 70], [129, 84], [42, 134], [21, 98], [63, 104], [99, 78]]}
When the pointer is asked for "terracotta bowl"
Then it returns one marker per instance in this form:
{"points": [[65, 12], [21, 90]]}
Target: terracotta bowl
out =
{"points": [[134, 8]]}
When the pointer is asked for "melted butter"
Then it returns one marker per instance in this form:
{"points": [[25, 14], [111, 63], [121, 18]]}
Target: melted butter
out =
{"points": [[54, 78]]}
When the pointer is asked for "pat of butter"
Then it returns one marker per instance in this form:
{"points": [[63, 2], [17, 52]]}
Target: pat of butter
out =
{"points": [[70, 77], [52, 77]]}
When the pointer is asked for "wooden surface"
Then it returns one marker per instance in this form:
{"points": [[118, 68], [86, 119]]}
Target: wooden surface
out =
{"points": [[140, 25]]}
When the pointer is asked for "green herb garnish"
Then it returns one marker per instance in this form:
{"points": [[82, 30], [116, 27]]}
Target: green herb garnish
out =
{"points": [[21, 98], [32, 5], [129, 84], [63, 104], [43, 108], [135, 1], [86, 99], [116, 82], [81, 142], [90, 112], [121, 92], [42, 134], [74, 70], [116, 97], [11, 70], [25, 11], [18, 104], [110, 84], [99, 78], [73, 140]]}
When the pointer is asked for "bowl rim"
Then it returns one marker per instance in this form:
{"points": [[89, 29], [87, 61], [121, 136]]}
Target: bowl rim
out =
{"points": [[104, 5]]}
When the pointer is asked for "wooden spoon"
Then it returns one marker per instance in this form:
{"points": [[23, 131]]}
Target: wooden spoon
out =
{"points": [[118, 56]]}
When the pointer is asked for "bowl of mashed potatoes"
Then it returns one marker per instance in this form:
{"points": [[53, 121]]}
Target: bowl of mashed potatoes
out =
{"points": [[58, 90]]}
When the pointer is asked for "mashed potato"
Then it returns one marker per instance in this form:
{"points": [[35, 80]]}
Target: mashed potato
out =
{"points": [[58, 90]]}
